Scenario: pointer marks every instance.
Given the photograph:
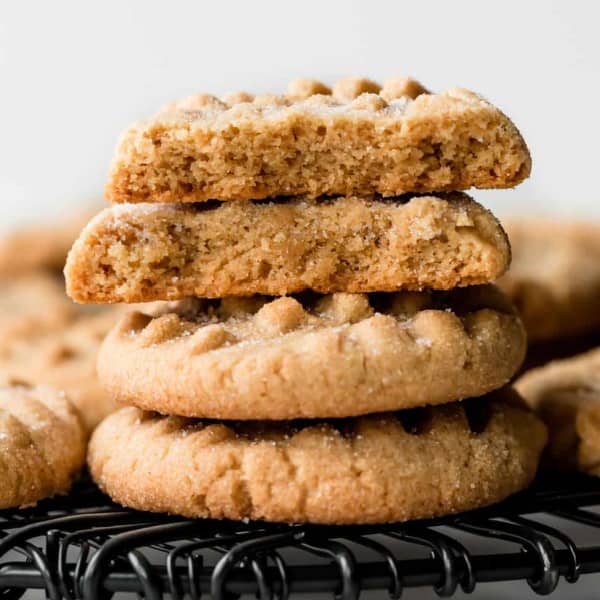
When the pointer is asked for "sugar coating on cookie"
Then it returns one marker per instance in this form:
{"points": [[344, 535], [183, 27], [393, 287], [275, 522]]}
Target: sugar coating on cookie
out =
{"points": [[357, 137], [42, 444], [312, 355], [381, 468], [554, 278], [143, 252], [566, 395]]}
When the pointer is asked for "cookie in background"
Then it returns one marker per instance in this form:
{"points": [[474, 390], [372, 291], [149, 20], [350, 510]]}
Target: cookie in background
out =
{"points": [[42, 444], [64, 357], [45, 338], [554, 281], [566, 395], [41, 247]]}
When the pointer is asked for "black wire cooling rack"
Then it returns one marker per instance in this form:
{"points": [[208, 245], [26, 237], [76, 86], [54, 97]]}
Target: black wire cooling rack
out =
{"points": [[83, 546]]}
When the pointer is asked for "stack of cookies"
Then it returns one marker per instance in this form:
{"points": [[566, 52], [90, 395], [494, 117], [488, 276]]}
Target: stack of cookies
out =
{"points": [[324, 270]]}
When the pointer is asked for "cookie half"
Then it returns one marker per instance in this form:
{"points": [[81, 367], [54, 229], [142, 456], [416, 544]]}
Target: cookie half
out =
{"points": [[566, 395], [143, 252], [313, 356], [554, 279], [42, 444], [358, 138], [381, 468]]}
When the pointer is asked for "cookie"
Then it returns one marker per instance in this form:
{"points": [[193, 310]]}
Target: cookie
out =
{"points": [[40, 247], [381, 468], [554, 279], [313, 356], [42, 444], [33, 302], [359, 139], [142, 252], [566, 395], [65, 358]]}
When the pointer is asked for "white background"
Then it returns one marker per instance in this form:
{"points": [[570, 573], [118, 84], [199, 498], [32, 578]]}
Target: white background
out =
{"points": [[73, 74]]}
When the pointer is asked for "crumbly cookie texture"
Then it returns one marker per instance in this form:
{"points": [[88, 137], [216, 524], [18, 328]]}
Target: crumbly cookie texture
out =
{"points": [[42, 444], [566, 395], [358, 139], [554, 279], [40, 247], [313, 356], [63, 357], [33, 302], [382, 468], [143, 252]]}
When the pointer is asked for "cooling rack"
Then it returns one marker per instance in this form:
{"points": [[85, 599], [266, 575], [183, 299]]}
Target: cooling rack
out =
{"points": [[83, 546]]}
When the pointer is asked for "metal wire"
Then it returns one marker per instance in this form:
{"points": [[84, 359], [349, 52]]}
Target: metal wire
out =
{"points": [[86, 547]]}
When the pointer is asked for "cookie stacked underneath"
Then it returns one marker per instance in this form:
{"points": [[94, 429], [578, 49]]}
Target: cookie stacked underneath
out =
{"points": [[332, 306]]}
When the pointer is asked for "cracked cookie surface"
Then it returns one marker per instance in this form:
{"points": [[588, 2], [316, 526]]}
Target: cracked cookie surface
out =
{"points": [[143, 252], [357, 138], [42, 444], [566, 395], [381, 468], [313, 356]]}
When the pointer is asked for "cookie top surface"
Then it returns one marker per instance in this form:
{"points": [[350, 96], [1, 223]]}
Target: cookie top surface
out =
{"points": [[358, 138], [143, 252], [554, 278], [386, 467], [313, 356], [566, 394], [42, 444]]}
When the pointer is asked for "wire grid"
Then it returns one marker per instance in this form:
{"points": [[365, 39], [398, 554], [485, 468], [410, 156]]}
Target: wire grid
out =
{"points": [[84, 546]]}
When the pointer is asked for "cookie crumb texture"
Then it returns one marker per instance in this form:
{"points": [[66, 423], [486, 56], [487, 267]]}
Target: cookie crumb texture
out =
{"points": [[355, 139], [383, 468], [566, 395], [352, 244], [313, 356], [42, 444]]}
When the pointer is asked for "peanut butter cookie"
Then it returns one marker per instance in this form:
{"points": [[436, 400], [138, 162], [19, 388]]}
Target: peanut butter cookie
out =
{"points": [[42, 444], [358, 138], [386, 467], [313, 356], [143, 252]]}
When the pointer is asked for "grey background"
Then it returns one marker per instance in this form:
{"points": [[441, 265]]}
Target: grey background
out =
{"points": [[74, 74]]}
